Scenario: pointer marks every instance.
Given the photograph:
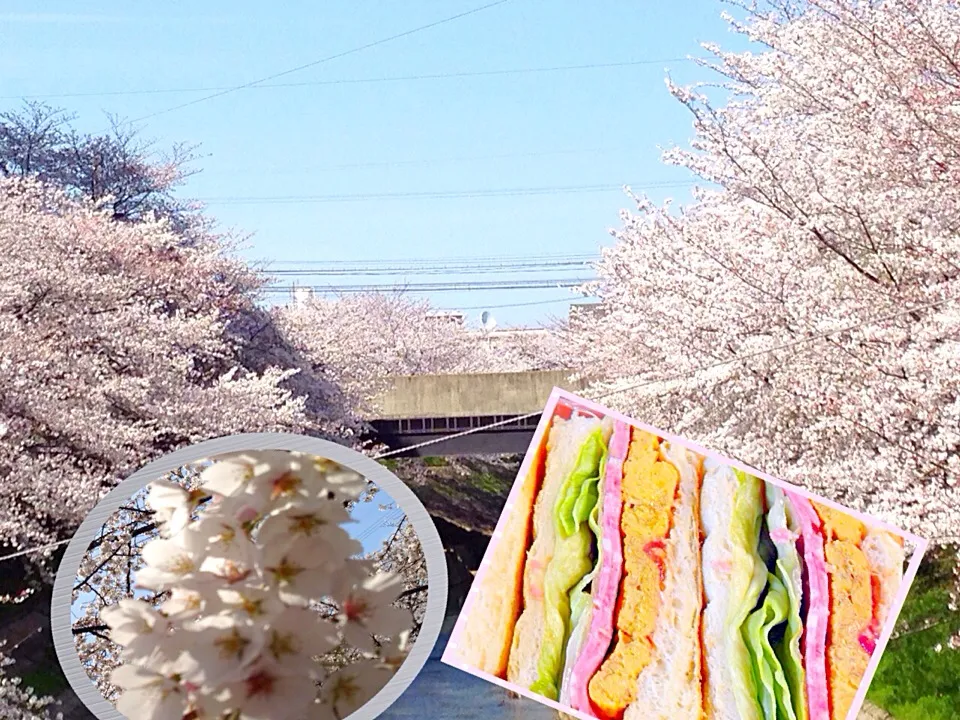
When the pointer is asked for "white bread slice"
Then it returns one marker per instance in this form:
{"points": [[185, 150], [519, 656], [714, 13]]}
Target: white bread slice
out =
{"points": [[716, 509], [563, 448], [886, 556], [670, 686], [496, 600]]}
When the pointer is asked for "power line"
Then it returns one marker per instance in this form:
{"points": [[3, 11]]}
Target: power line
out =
{"points": [[690, 374], [435, 270], [321, 61], [436, 195], [452, 286], [480, 259], [263, 85], [555, 301], [393, 517], [420, 161]]}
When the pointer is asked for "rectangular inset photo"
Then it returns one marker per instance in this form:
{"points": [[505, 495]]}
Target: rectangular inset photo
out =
{"points": [[636, 575]]}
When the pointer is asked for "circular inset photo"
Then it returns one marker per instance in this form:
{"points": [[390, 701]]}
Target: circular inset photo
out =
{"points": [[265, 584]]}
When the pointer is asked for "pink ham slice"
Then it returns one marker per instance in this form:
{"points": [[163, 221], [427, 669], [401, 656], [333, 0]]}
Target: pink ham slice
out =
{"points": [[815, 625], [607, 583]]}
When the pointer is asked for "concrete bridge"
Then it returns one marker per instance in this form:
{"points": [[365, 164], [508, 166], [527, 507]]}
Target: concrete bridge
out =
{"points": [[420, 408]]}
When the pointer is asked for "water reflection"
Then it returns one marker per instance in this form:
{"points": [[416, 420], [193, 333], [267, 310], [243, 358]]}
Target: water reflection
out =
{"points": [[445, 692]]}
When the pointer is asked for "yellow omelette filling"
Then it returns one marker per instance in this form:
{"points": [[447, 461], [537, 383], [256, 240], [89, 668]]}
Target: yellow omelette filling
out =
{"points": [[852, 606], [840, 526], [649, 486]]}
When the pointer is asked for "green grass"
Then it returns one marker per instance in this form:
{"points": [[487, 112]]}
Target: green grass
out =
{"points": [[446, 490], [913, 681], [489, 483], [431, 461], [389, 463]]}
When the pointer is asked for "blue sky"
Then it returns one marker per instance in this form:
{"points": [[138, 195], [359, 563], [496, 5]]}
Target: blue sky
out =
{"points": [[342, 135]]}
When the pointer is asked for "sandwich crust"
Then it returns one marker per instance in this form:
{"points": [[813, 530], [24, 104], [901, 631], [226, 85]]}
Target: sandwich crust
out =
{"points": [[495, 607], [563, 448], [886, 556]]}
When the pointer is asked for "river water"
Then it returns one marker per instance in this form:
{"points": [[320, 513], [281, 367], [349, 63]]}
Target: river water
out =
{"points": [[441, 691]]}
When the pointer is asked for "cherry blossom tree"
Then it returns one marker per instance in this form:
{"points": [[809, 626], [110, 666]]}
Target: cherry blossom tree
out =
{"points": [[521, 350], [833, 199], [118, 167], [119, 344], [402, 555], [359, 341]]}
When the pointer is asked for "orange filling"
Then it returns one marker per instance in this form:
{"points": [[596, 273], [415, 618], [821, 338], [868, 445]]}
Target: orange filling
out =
{"points": [[853, 607], [649, 488]]}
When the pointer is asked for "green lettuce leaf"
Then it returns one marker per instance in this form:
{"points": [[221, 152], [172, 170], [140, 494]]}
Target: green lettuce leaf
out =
{"points": [[581, 601], [747, 584], [789, 569], [577, 500], [774, 691]]}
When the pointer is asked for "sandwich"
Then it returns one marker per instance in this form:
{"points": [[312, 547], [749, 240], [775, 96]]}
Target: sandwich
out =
{"points": [[517, 570], [796, 596], [864, 569], [632, 579]]}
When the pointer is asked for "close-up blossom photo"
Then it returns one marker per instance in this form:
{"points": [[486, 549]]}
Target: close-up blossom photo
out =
{"points": [[395, 230], [239, 588]]}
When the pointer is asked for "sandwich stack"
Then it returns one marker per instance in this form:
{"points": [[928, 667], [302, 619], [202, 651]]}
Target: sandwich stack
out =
{"points": [[633, 578]]}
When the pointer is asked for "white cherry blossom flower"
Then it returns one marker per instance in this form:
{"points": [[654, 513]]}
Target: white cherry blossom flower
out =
{"points": [[241, 629], [221, 648], [173, 505], [254, 601], [366, 610], [229, 475], [263, 479], [317, 522], [137, 627], [304, 569], [225, 545], [150, 694], [266, 693], [350, 688], [312, 518], [294, 636], [184, 604], [167, 563]]}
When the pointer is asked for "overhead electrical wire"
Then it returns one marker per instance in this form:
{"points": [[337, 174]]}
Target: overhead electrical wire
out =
{"points": [[451, 286], [412, 162], [555, 301], [437, 270], [464, 266], [328, 58], [391, 517], [436, 195], [466, 260], [672, 377], [263, 85]]}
